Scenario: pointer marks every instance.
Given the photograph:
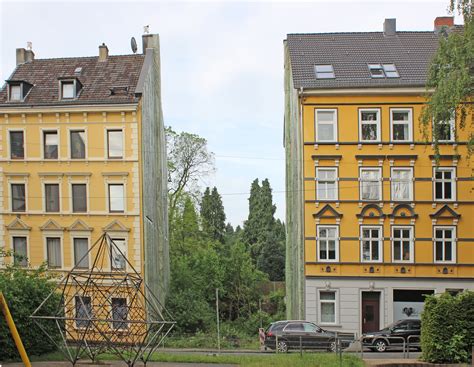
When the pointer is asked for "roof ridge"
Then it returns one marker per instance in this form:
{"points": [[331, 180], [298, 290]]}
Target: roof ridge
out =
{"points": [[83, 57], [379, 32]]}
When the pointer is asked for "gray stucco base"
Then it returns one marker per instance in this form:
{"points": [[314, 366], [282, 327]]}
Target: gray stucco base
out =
{"points": [[349, 298]]}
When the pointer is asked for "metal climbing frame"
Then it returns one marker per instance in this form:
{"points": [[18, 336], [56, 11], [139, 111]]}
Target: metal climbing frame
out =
{"points": [[107, 308]]}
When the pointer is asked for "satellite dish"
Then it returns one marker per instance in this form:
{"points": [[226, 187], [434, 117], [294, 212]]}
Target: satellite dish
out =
{"points": [[133, 43]]}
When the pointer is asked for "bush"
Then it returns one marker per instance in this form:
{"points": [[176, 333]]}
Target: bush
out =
{"points": [[24, 290], [448, 328]]}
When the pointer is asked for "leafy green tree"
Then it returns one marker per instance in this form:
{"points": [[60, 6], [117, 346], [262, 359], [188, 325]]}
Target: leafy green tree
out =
{"points": [[272, 258], [213, 215], [240, 283], [194, 278], [450, 82], [188, 162], [25, 289], [264, 235]]}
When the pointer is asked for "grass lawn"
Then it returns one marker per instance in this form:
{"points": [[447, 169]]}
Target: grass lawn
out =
{"points": [[274, 360]]}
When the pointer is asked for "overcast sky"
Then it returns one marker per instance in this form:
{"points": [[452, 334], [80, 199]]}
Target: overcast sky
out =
{"points": [[222, 65]]}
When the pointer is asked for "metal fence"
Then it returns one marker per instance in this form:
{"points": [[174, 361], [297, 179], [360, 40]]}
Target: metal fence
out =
{"points": [[412, 341]]}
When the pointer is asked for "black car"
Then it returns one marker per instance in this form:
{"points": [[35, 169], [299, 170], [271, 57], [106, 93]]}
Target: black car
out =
{"points": [[394, 335], [297, 334]]}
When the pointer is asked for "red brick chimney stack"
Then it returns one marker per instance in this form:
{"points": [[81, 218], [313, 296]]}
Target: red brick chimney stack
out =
{"points": [[443, 22]]}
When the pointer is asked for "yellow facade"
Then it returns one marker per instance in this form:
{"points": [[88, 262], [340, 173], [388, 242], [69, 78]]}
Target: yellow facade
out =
{"points": [[96, 170], [349, 203]]}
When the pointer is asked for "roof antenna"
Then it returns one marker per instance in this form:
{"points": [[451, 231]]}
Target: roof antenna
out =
{"points": [[29, 45], [146, 29]]}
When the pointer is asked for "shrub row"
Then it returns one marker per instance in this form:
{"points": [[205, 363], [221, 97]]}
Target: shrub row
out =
{"points": [[448, 328]]}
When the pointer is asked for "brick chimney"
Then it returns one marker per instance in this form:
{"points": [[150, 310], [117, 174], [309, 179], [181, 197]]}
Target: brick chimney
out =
{"points": [[20, 56], [441, 22], [390, 27], [103, 52]]}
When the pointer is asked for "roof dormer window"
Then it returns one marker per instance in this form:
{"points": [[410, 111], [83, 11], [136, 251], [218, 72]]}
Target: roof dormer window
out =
{"points": [[69, 88], [17, 90]]}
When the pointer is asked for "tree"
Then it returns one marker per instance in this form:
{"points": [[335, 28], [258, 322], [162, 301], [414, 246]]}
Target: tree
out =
{"points": [[450, 83], [188, 162], [213, 215], [24, 290], [263, 234]]}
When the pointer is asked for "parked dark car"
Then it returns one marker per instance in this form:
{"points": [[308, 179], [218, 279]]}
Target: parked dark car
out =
{"points": [[297, 334], [391, 336]]}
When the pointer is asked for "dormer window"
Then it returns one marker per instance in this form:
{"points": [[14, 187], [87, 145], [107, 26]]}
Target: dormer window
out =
{"points": [[17, 90], [70, 88], [67, 90]]}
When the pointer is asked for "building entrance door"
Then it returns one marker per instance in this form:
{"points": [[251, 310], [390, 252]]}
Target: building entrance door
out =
{"points": [[370, 311]]}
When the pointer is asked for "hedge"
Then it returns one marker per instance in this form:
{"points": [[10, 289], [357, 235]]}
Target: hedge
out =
{"points": [[24, 290], [448, 328]]}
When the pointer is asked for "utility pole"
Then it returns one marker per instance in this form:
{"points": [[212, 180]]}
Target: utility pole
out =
{"points": [[217, 318]]}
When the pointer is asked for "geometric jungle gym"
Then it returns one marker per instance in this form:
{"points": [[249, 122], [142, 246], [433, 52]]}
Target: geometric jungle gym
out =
{"points": [[107, 308]]}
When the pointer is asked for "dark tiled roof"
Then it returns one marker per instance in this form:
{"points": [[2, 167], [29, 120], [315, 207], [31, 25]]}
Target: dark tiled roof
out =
{"points": [[97, 79], [349, 53]]}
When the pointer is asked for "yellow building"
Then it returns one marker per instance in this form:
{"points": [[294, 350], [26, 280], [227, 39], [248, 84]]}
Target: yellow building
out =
{"points": [[374, 224], [82, 151]]}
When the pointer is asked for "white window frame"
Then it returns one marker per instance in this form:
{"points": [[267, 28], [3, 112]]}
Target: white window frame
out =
{"points": [[71, 197], [377, 122], [336, 306], [124, 197], [453, 183], [361, 181], [54, 234], [69, 148], [10, 94], [336, 183], [452, 130], [80, 235], [336, 242], [453, 245], [112, 318], [43, 142], [59, 183], [74, 316], [333, 123], [10, 144], [106, 143], [119, 236], [409, 123], [411, 244], [380, 239], [394, 181], [62, 83], [10, 195], [23, 234]]}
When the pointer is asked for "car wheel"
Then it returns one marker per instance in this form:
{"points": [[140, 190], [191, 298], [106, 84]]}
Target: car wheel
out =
{"points": [[380, 345], [282, 347], [332, 346]]}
